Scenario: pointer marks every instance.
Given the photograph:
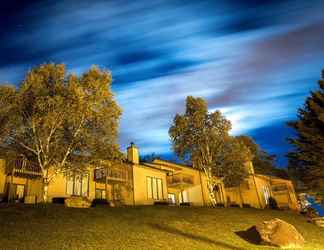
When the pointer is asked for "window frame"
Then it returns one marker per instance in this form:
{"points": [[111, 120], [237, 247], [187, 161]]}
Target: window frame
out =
{"points": [[154, 182], [74, 175]]}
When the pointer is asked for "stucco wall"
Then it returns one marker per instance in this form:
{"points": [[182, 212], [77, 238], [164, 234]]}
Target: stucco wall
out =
{"points": [[140, 173], [57, 188], [251, 192]]}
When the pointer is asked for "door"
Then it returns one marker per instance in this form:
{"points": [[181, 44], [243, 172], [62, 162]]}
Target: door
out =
{"points": [[20, 191], [172, 198]]}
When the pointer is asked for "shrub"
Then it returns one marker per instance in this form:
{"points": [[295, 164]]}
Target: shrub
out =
{"points": [[187, 204], [161, 203], [2, 197], [272, 203], [58, 200], [311, 213], [100, 202]]}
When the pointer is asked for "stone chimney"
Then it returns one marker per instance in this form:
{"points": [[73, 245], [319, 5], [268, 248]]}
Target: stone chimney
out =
{"points": [[132, 154]]}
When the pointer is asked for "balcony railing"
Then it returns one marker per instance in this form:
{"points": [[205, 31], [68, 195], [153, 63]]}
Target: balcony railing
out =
{"points": [[24, 168], [111, 174], [180, 180], [279, 188]]}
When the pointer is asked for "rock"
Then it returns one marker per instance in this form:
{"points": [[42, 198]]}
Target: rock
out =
{"points": [[78, 202], [279, 233], [319, 221]]}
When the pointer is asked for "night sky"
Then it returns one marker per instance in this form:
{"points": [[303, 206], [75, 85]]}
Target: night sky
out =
{"points": [[254, 60]]}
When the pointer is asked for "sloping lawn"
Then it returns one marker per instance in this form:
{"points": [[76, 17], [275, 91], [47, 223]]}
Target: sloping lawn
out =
{"points": [[57, 227]]}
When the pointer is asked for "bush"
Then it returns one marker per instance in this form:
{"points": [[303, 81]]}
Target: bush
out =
{"points": [[220, 205], [246, 205], [272, 203], [58, 200], [100, 202], [2, 197], [311, 213], [161, 203], [186, 204]]}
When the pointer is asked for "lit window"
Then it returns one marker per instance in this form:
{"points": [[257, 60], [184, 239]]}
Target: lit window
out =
{"points": [[77, 184], [154, 188]]}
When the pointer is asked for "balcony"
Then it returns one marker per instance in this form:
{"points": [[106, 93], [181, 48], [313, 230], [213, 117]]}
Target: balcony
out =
{"points": [[112, 174], [24, 168], [180, 180], [279, 188]]}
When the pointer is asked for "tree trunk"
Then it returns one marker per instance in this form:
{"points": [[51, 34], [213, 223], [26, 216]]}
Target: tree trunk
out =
{"points": [[211, 192], [210, 186], [45, 191], [45, 186]]}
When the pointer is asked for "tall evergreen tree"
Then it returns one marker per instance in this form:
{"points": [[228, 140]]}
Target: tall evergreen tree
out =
{"points": [[308, 156]]}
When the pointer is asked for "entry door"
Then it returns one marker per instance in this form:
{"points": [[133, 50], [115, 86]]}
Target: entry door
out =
{"points": [[20, 191], [172, 198]]}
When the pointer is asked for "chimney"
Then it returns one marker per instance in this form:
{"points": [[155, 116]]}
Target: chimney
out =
{"points": [[132, 154]]}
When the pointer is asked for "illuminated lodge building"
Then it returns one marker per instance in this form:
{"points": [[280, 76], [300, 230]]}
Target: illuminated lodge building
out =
{"points": [[139, 183]]}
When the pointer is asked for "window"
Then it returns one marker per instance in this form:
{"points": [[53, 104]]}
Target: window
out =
{"points": [[149, 187], [266, 194], [159, 188], [154, 188], [20, 191], [77, 184], [100, 194]]}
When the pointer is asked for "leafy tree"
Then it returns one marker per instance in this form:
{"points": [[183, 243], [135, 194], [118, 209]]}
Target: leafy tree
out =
{"points": [[60, 121], [263, 162], [231, 162], [307, 156], [203, 138]]}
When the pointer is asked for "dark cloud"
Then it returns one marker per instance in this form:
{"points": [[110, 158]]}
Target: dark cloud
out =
{"points": [[255, 60], [138, 56]]}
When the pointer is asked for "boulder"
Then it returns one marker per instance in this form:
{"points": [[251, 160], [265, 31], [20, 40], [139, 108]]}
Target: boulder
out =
{"points": [[279, 233], [78, 202]]}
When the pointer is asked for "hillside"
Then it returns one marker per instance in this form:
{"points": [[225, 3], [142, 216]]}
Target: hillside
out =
{"points": [[56, 227]]}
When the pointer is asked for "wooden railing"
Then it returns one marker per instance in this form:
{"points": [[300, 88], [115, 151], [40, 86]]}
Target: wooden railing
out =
{"points": [[111, 174], [180, 179], [278, 188], [24, 167]]}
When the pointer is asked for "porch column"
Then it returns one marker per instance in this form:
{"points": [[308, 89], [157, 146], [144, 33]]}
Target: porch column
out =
{"points": [[106, 183]]}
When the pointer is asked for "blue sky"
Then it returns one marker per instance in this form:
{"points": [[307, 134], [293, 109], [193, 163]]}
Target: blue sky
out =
{"points": [[254, 60]]}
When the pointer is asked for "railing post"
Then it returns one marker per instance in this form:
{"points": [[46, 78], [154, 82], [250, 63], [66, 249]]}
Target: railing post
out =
{"points": [[106, 183]]}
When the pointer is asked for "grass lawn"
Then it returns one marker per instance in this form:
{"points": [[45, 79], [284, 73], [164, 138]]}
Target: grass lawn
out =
{"points": [[57, 227]]}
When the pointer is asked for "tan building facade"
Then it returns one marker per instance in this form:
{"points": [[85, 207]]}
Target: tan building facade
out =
{"points": [[130, 183], [138, 183], [256, 190]]}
